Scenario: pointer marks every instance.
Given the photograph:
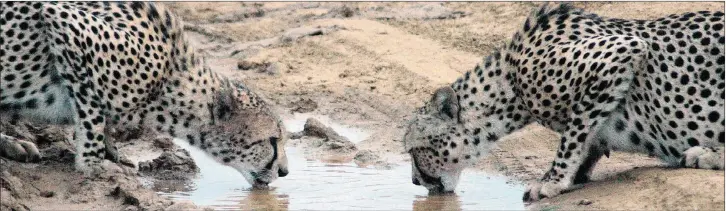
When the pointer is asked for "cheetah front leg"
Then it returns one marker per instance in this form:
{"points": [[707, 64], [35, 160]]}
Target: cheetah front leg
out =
{"points": [[92, 147], [572, 155], [701, 157], [579, 147], [575, 151]]}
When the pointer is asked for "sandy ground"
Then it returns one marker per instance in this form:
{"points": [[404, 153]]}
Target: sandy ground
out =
{"points": [[369, 65]]}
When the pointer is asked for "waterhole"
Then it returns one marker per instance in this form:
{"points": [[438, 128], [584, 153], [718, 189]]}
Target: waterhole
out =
{"points": [[316, 185]]}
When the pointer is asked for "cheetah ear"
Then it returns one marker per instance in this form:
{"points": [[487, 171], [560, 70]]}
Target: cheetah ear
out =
{"points": [[445, 104]]}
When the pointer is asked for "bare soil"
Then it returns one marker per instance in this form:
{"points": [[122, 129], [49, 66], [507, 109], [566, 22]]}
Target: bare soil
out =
{"points": [[369, 65]]}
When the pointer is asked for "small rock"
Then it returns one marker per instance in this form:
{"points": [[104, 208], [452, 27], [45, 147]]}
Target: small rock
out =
{"points": [[297, 33], [344, 146], [47, 194], [128, 197], [131, 200], [125, 133], [247, 65], [313, 127], [347, 11], [264, 67], [304, 105], [126, 162], [163, 142], [332, 140], [335, 145], [58, 152], [272, 69], [584, 202], [366, 156], [528, 157], [75, 189], [295, 135], [170, 163], [144, 165], [49, 135]]}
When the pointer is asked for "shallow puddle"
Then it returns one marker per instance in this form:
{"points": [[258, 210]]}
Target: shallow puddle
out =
{"points": [[315, 185]]}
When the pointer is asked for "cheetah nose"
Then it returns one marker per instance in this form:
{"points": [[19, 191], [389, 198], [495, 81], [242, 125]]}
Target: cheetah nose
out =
{"points": [[415, 181], [282, 172], [260, 184]]}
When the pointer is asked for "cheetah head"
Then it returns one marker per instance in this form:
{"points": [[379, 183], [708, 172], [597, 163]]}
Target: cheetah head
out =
{"points": [[246, 135], [439, 144]]}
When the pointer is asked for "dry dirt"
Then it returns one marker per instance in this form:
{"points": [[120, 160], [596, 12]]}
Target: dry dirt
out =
{"points": [[369, 65]]}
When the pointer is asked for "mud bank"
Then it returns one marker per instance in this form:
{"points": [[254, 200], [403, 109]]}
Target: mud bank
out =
{"points": [[53, 184]]}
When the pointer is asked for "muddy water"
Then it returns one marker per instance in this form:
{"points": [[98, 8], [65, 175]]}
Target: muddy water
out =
{"points": [[315, 185]]}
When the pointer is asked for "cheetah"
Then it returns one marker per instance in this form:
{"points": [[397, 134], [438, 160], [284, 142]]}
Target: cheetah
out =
{"points": [[93, 64], [643, 86]]}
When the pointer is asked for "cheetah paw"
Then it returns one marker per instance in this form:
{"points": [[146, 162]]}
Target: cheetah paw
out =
{"points": [[18, 150], [702, 158], [540, 190]]}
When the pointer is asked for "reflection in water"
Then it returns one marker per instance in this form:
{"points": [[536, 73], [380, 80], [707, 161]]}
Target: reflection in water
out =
{"points": [[262, 200], [341, 186], [437, 202], [169, 186]]}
